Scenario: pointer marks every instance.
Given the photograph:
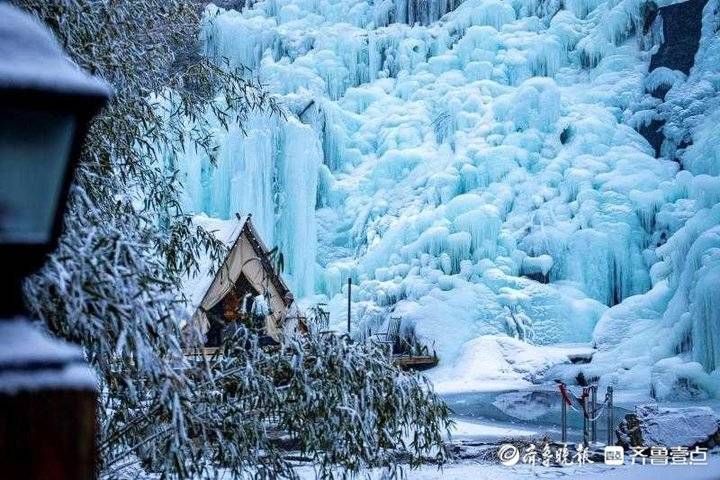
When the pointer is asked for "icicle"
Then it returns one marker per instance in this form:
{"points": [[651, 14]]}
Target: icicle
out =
{"points": [[483, 225]]}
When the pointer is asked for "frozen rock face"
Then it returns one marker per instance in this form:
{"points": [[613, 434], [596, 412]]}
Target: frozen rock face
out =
{"points": [[476, 168], [681, 35], [667, 340], [672, 427], [677, 29]]}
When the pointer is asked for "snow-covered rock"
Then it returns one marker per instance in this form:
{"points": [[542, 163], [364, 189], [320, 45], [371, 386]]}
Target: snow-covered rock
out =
{"points": [[672, 427]]}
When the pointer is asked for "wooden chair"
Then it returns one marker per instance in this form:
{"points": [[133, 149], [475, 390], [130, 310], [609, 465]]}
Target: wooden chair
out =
{"points": [[391, 337]]}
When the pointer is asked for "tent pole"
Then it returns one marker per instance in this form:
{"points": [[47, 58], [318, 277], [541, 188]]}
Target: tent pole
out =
{"points": [[586, 419], [610, 417], [349, 301], [563, 419], [593, 408]]}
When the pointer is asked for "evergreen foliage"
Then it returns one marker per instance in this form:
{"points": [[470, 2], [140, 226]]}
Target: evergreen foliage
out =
{"points": [[113, 285]]}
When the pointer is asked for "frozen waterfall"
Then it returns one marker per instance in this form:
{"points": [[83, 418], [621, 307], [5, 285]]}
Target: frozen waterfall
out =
{"points": [[464, 160], [270, 171]]}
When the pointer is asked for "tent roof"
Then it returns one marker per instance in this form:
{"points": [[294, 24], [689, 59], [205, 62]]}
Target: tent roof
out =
{"points": [[248, 230], [229, 232]]}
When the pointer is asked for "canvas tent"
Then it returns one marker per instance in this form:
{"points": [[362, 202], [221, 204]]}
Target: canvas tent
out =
{"points": [[246, 274]]}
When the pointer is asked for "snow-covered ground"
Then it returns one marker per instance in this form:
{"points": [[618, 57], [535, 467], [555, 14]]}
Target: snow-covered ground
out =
{"points": [[489, 432], [478, 471], [475, 168], [495, 363], [491, 469]]}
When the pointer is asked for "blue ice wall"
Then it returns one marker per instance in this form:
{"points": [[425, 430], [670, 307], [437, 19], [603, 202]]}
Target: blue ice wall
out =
{"points": [[470, 164]]}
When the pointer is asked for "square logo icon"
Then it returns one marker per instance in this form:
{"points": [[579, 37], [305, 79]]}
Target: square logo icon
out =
{"points": [[614, 455]]}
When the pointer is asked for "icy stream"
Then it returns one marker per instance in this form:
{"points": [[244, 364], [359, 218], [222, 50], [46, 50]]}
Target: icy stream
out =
{"points": [[536, 410], [475, 168]]}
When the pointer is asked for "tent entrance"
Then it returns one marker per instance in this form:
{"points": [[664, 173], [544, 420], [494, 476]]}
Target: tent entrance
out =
{"points": [[236, 308]]}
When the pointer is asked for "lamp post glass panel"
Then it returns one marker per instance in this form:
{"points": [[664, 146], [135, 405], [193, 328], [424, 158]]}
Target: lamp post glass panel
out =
{"points": [[47, 394], [34, 152]]}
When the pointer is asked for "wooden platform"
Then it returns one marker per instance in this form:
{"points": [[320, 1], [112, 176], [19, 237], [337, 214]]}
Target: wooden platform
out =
{"points": [[415, 362], [406, 362], [199, 352]]}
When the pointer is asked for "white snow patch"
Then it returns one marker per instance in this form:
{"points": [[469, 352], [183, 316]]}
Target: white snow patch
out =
{"points": [[498, 363]]}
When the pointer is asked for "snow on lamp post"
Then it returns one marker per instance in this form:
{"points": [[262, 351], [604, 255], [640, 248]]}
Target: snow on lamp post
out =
{"points": [[47, 393]]}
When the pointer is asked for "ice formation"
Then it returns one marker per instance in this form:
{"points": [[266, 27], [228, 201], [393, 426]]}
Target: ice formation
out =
{"points": [[264, 171], [476, 168]]}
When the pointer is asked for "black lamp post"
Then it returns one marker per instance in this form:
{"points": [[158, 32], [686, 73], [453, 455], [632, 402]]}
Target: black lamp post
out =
{"points": [[47, 394]]}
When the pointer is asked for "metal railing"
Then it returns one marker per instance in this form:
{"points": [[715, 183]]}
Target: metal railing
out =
{"points": [[586, 403]]}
